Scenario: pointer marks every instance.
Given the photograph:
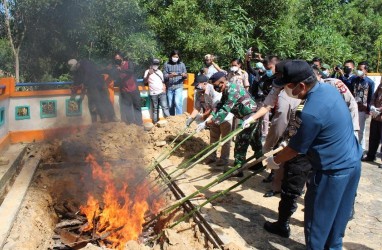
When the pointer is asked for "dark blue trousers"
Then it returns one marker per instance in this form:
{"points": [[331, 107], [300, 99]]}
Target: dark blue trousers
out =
{"points": [[328, 203]]}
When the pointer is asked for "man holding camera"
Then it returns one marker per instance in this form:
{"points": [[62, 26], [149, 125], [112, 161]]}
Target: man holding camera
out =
{"points": [[346, 74]]}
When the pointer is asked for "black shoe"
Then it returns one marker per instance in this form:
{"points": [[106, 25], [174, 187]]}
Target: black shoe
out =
{"points": [[276, 228], [380, 166], [269, 178], [210, 161], [256, 167], [367, 159], [271, 193]]}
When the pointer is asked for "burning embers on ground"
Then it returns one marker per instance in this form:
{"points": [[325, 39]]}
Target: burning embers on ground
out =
{"points": [[115, 210]]}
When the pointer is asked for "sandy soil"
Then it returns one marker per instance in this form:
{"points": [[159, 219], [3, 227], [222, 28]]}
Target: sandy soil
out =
{"points": [[242, 211]]}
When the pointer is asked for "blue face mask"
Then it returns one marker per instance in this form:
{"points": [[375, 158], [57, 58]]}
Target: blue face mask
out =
{"points": [[269, 73]]}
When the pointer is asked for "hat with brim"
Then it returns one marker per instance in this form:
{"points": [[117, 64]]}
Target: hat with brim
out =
{"points": [[155, 61], [294, 71], [216, 76], [200, 79]]}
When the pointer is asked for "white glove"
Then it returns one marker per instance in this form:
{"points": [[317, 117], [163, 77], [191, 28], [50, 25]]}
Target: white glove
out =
{"points": [[199, 118], [248, 122], [374, 113], [201, 126], [373, 108], [189, 121], [271, 164]]}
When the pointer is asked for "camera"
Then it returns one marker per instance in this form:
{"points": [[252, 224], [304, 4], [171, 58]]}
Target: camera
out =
{"points": [[338, 67]]}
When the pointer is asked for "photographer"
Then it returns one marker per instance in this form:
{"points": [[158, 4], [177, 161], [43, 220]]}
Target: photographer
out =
{"points": [[346, 74]]}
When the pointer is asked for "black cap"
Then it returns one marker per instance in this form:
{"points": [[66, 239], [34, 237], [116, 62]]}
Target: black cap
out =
{"points": [[294, 71], [216, 76], [155, 62], [280, 66], [199, 79]]}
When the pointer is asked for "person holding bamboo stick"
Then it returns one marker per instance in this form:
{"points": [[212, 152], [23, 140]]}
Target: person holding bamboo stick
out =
{"points": [[326, 135], [236, 100], [206, 99]]}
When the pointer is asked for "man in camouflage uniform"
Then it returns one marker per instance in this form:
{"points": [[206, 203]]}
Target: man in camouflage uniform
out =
{"points": [[235, 99]]}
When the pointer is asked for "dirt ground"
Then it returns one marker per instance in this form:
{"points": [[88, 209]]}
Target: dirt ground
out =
{"points": [[243, 210]]}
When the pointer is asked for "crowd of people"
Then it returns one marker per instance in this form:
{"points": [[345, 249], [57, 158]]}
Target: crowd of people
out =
{"points": [[314, 112], [291, 104]]}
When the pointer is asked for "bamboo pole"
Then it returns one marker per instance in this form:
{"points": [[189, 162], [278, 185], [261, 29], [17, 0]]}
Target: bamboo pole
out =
{"points": [[210, 149], [167, 154], [228, 174], [214, 197]]}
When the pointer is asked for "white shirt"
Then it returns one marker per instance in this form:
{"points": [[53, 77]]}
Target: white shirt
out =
{"points": [[155, 81]]}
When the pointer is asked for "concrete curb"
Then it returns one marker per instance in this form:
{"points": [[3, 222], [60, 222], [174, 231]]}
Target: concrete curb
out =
{"points": [[12, 202]]}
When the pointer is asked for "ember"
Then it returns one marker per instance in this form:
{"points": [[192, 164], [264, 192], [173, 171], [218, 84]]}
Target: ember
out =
{"points": [[121, 212]]}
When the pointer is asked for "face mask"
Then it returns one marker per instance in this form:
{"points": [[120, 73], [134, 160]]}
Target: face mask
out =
{"points": [[199, 87], [359, 73], [289, 91], [347, 70], [218, 88], [326, 73], [118, 62], [174, 59], [269, 72], [234, 68], [155, 67], [208, 64]]}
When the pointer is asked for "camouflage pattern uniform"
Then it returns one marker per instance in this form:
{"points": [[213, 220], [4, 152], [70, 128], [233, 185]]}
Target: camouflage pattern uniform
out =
{"points": [[236, 99]]}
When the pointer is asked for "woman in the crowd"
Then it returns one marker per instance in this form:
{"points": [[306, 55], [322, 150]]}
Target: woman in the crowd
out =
{"points": [[174, 74]]}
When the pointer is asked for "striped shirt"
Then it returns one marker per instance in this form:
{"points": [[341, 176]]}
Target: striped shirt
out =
{"points": [[177, 81]]}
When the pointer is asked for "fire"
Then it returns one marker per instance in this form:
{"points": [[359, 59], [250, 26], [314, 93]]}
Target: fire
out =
{"points": [[119, 217]]}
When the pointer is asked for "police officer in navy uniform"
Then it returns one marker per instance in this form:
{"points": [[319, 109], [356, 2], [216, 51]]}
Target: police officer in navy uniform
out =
{"points": [[327, 137]]}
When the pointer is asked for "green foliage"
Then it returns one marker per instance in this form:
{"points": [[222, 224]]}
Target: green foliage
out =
{"points": [[57, 30], [6, 56]]}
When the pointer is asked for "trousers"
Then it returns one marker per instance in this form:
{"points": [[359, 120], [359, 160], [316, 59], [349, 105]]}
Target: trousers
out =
{"points": [[328, 204], [217, 131], [249, 136], [296, 173], [161, 100], [375, 137], [130, 106]]}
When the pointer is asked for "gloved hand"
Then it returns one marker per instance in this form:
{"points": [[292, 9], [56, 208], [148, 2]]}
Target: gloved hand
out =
{"points": [[199, 118], [271, 164], [189, 121], [374, 111], [248, 122], [201, 126]]}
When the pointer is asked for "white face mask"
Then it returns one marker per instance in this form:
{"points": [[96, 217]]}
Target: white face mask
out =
{"points": [[326, 73], [359, 73], [234, 68], [155, 67], [289, 91], [174, 59]]}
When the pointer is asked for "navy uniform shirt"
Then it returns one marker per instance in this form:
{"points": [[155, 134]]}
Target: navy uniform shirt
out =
{"points": [[326, 132]]}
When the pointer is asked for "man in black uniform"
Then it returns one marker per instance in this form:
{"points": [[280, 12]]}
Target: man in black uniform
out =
{"points": [[85, 72]]}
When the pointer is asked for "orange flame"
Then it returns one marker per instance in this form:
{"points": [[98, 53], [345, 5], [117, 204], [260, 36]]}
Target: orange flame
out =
{"points": [[117, 209]]}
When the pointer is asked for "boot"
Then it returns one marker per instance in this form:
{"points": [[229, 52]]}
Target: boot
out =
{"points": [[279, 228], [270, 177]]}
